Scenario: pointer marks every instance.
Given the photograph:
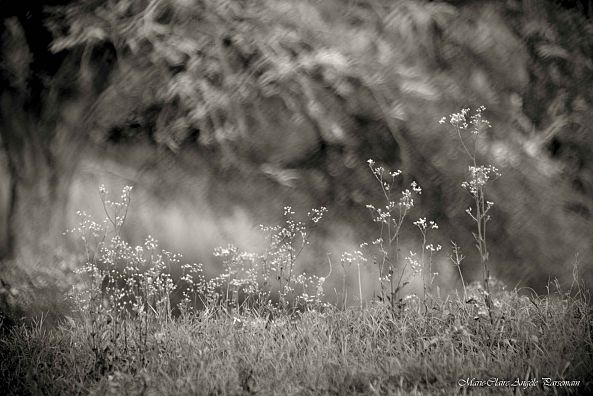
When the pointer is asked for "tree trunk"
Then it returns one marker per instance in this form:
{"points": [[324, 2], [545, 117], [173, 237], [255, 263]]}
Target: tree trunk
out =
{"points": [[37, 214], [43, 114], [40, 171]]}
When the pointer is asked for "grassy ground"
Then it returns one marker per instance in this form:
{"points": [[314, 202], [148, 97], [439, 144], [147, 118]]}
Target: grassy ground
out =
{"points": [[373, 351]]}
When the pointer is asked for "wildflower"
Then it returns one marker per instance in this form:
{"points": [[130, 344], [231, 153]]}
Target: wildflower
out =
{"points": [[150, 243], [406, 200], [458, 120], [432, 248], [479, 176], [479, 123], [420, 223], [414, 263], [317, 214], [125, 194], [423, 224]]}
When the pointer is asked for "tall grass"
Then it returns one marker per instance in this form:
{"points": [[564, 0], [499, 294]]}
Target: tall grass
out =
{"points": [[351, 351]]}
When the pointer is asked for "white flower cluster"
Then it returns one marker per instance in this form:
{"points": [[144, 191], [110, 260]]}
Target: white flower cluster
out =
{"points": [[476, 121], [413, 262], [422, 224], [433, 249], [479, 176]]}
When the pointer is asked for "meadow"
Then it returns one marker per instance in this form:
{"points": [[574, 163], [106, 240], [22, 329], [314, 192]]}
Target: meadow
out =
{"points": [[335, 352], [142, 321]]}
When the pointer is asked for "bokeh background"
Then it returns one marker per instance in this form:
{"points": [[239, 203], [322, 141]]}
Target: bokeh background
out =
{"points": [[221, 112]]}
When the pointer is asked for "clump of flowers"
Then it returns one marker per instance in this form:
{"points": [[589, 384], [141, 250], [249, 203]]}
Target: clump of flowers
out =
{"points": [[390, 217], [428, 275], [348, 259], [123, 287], [125, 290], [266, 280], [287, 242], [193, 284], [479, 176], [256, 280]]}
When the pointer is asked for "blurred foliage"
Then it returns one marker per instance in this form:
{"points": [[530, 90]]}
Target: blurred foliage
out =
{"points": [[302, 93]]}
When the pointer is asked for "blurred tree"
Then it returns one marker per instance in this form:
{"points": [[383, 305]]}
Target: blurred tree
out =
{"points": [[43, 100], [558, 99]]}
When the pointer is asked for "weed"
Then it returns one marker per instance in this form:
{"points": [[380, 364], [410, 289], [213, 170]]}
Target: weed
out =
{"points": [[390, 219], [479, 176]]}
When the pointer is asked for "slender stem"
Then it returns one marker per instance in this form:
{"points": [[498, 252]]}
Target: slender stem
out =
{"points": [[472, 157]]}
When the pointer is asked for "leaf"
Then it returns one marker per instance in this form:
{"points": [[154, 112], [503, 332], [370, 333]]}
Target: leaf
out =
{"points": [[421, 89], [397, 289], [550, 51]]}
